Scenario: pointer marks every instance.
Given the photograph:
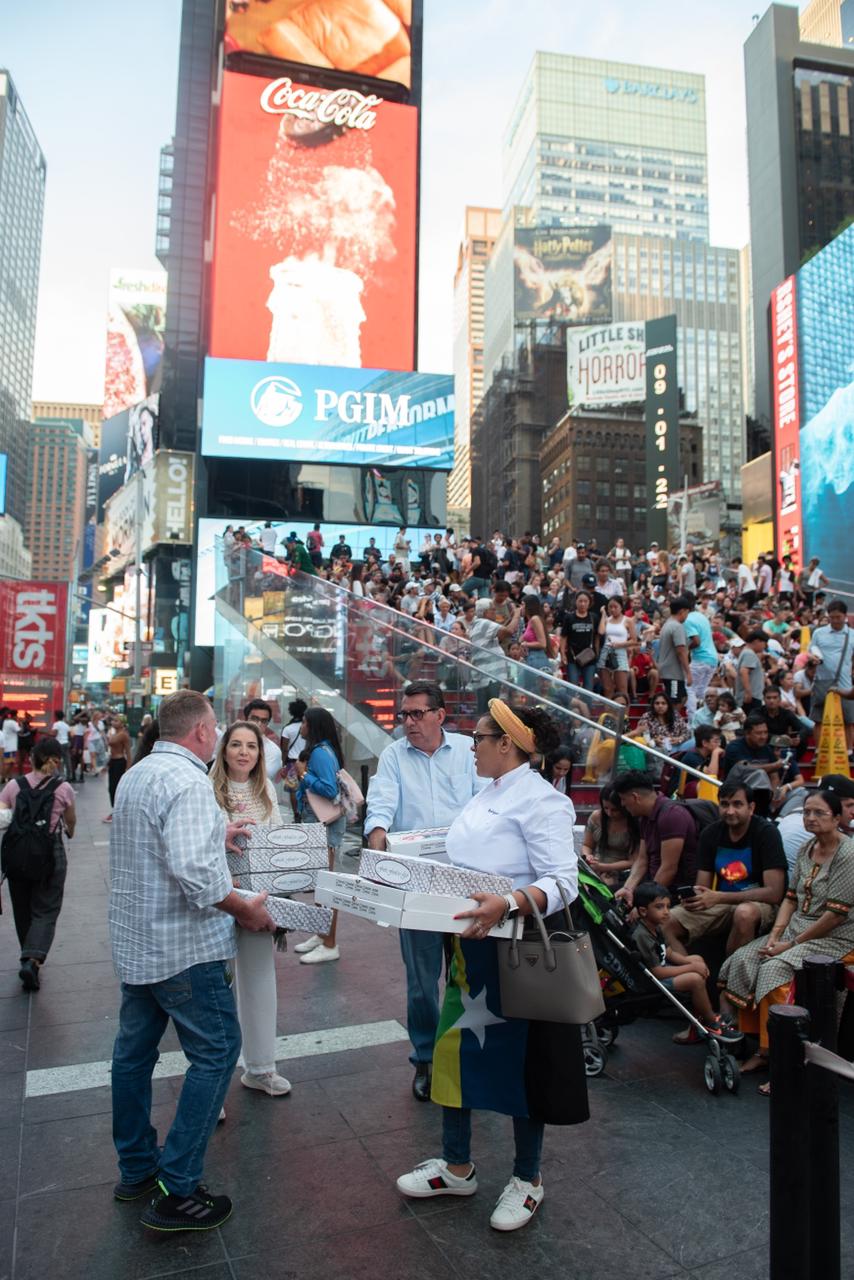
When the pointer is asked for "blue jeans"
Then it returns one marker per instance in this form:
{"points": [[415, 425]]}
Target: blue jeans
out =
{"points": [[201, 1004], [456, 1141], [477, 585], [423, 954], [538, 658], [581, 676]]}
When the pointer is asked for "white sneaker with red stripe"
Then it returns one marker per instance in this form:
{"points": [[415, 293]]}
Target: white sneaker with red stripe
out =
{"points": [[434, 1178], [517, 1204]]}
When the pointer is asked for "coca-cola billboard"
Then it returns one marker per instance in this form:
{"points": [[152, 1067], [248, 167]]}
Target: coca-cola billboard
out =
{"points": [[33, 627], [314, 253]]}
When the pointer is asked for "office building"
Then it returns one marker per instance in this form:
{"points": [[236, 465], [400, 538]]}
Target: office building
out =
{"points": [[594, 141], [700, 283], [480, 229], [15, 559], [22, 184], [800, 106], [828, 22], [592, 475], [56, 498], [91, 414]]}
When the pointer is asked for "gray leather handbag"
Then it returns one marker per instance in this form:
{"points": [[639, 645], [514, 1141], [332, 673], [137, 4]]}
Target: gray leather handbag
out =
{"points": [[549, 977]]}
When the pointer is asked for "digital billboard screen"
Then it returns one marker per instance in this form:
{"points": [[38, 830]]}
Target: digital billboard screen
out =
{"points": [[356, 535], [605, 365], [825, 307], [661, 424], [787, 421], [4, 466], [325, 413], [363, 37], [315, 226], [563, 274], [136, 325]]}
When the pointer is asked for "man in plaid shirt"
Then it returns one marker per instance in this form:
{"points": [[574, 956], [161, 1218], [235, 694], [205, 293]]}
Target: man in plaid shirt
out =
{"points": [[172, 913]]}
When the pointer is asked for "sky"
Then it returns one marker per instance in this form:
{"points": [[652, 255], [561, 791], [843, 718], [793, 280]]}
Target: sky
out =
{"points": [[100, 92]]}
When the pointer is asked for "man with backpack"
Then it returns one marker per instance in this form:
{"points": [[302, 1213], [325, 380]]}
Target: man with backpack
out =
{"points": [[33, 856]]}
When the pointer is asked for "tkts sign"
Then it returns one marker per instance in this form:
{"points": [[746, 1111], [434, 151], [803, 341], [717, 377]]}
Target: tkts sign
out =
{"points": [[33, 628]]}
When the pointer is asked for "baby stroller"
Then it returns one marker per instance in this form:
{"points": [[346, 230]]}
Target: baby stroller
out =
{"points": [[630, 991]]}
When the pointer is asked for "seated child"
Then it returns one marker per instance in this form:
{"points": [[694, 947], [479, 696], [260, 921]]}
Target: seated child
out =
{"points": [[728, 718], [678, 971]]}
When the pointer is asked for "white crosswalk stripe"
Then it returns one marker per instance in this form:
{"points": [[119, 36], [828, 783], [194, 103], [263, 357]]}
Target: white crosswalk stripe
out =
{"points": [[307, 1044]]}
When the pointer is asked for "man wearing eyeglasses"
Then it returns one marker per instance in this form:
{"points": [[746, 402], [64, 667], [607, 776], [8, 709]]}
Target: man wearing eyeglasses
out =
{"points": [[422, 780]]}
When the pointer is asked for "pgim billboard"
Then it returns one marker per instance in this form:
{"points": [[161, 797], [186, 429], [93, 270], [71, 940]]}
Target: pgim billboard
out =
{"points": [[362, 37], [563, 274], [314, 255]]}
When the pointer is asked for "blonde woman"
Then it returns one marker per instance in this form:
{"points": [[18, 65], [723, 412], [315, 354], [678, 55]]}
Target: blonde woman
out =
{"points": [[243, 790]]}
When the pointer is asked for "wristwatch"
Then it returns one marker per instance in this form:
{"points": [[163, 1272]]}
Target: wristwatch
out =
{"points": [[511, 910]]}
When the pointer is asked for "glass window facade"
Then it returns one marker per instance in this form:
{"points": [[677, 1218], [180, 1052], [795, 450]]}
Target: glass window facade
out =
{"points": [[824, 104]]}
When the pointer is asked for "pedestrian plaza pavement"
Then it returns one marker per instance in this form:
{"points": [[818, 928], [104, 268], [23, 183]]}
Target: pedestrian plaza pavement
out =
{"points": [[664, 1181]]}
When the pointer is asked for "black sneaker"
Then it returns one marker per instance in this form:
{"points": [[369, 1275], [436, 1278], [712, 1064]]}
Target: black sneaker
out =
{"points": [[199, 1211], [133, 1190], [29, 975]]}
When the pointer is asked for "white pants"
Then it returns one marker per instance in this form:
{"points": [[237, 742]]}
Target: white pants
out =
{"points": [[701, 678], [255, 974]]}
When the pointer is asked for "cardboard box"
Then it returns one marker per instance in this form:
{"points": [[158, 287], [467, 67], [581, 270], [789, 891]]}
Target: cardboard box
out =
{"points": [[377, 903], [281, 859], [424, 875], [436, 913], [427, 843], [302, 917]]}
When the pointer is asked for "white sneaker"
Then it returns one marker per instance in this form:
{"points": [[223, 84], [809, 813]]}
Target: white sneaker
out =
{"points": [[221, 1116], [310, 943], [434, 1178], [318, 954], [517, 1204], [267, 1082]]}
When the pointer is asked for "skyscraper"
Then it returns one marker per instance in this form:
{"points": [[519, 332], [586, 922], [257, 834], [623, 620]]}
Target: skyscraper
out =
{"points": [[22, 183], [828, 22], [479, 232], [597, 141], [56, 498], [800, 107]]}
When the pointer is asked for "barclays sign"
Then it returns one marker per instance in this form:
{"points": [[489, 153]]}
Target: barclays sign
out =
{"points": [[646, 89]]}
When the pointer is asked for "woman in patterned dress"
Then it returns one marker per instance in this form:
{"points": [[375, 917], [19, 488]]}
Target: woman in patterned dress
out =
{"points": [[815, 918]]}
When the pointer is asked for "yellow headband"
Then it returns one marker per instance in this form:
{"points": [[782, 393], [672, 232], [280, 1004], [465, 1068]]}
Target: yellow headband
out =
{"points": [[509, 722]]}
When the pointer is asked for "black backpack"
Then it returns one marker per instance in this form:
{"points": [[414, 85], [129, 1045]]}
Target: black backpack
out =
{"points": [[704, 812], [29, 845]]}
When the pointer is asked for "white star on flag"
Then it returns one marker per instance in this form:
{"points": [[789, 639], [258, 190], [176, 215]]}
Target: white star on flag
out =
{"points": [[476, 1016]]}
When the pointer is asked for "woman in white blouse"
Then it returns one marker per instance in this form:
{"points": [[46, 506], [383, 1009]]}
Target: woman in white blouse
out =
{"points": [[243, 790], [520, 827]]}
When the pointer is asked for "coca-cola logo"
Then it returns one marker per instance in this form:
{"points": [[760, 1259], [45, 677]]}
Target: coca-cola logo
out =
{"points": [[344, 108]]}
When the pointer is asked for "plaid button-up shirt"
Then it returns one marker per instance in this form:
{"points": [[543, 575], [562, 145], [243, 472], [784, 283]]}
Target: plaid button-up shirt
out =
{"points": [[167, 869]]}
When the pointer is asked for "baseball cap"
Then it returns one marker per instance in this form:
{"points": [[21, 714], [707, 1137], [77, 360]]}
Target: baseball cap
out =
{"points": [[455, 586], [839, 783], [411, 586]]}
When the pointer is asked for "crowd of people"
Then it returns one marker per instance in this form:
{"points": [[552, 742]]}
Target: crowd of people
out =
{"points": [[735, 663]]}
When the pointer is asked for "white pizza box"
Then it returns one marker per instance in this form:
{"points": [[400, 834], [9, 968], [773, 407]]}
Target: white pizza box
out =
{"points": [[436, 912], [342, 883], [382, 913], [425, 875], [281, 859], [300, 916], [426, 843]]}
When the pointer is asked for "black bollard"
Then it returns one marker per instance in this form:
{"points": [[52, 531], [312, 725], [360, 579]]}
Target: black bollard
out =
{"points": [[789, 1133], [815, 988]]}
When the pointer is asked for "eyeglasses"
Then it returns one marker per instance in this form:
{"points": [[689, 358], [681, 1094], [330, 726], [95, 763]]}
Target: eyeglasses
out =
{"points": [[414, 715], [477, 738], [261, 720]]}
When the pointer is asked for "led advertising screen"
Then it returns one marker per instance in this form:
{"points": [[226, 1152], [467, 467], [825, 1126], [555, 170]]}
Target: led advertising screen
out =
{"points": [[563, 274], [33, 628], [825, 307], [325, 413], [363, 37], [787, 421], [135, 329], [357, 536], [4, 465], [661, 424], [605, 365], [315, 226]]}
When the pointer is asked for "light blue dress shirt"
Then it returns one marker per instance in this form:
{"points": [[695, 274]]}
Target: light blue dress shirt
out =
{"points": [[411, 790]]}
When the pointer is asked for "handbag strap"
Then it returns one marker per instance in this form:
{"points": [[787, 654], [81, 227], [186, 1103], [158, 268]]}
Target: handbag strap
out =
{"points": [[842, 656]]}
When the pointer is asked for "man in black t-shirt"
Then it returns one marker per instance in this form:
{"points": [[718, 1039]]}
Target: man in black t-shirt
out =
{"points": [[784, 727], [742, 855]]}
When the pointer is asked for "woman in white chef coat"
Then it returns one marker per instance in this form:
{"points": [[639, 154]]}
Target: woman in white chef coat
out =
{"points": [[520, 827]]}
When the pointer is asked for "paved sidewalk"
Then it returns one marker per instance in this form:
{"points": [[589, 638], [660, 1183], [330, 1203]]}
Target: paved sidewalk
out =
{"points": [[665, 1181]]}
